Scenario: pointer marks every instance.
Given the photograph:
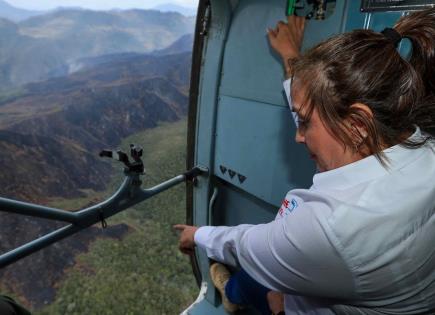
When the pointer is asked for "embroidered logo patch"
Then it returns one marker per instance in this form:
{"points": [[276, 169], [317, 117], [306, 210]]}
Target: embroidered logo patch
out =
{"points": [[287, 207]]}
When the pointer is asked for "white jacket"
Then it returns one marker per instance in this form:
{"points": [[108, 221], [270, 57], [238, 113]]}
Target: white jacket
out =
{"points": [[361, 236]]}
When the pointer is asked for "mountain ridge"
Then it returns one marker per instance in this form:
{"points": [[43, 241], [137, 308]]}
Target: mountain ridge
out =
{"points": [[50, 134], [83, 113], [171, 7], [45, 46], [50, 150], [16, 14]]}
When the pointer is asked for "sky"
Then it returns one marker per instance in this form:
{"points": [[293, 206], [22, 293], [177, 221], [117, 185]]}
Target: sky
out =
{"points": [[96, 4]]}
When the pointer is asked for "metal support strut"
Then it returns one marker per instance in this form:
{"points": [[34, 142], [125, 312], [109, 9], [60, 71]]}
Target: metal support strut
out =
{"points": [[128, 194]]}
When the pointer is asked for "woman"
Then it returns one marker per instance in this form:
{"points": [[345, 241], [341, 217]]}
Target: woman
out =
{"points": [[361, 239]]}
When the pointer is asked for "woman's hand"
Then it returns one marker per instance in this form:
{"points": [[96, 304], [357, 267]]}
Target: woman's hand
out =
{"points": [[275, 301], [286, 39], [186, 242]]}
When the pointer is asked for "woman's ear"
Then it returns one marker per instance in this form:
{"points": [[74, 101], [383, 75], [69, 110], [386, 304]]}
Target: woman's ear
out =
{"points": [[359, 119], [363, 108]]}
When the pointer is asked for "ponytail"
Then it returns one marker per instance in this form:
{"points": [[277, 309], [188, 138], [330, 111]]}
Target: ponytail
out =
{"points": [[419, 28]]}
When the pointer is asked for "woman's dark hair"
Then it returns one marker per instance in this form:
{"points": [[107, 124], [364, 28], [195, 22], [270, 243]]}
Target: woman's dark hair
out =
{"points": [[365, 67]]}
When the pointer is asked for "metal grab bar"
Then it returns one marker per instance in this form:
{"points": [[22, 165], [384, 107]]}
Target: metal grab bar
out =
{"points": [[127, 195]]}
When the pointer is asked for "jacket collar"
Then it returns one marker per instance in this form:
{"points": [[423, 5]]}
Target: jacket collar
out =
{"points": [[368, 168]]}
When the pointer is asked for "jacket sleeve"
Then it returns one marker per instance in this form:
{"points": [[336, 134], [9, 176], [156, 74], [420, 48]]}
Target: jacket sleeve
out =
{"points": [[291, 255]]}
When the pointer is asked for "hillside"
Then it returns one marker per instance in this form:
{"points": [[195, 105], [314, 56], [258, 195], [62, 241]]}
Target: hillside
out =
{"points": [[75, 82], [15, 14], [60, 125], [183, 44], [135, 268], [48, 45], [35, 279], [35, 167], [171, 7], [50, 135]]}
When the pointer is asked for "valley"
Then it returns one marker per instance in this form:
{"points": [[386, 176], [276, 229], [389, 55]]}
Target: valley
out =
{"points": [[70, 85], [134, 265]]}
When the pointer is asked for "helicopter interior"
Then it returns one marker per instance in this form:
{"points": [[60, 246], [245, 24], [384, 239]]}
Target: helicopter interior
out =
{"points": [[239, 122]]}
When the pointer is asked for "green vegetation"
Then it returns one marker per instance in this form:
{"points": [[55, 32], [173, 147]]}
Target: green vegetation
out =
{"points": [[10, 95], [143, 273]]}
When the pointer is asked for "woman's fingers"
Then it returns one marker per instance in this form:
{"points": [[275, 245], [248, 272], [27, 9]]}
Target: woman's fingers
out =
{"points": [[286, 38], [282, 27], [301, 22], [271, 32], [298, 21], [186, 242], [180, 227]]}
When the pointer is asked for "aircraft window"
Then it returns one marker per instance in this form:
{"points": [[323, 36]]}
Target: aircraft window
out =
{"points": [[74, 80]]}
